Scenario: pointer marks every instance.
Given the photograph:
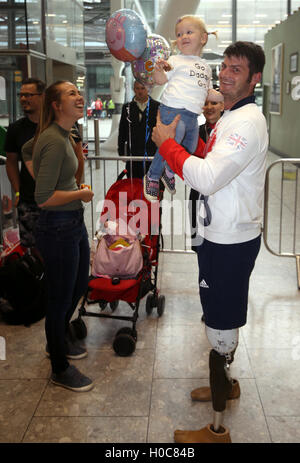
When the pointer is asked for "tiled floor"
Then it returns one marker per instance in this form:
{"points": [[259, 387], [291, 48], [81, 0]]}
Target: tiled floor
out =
{"points": [[144, 397]]}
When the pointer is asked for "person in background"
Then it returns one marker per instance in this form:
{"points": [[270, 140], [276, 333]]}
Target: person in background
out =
{"points": [[135, 129], [18, 133], [98, 107], [231, 177], [110, 106], [93, 109], [62, 238]]}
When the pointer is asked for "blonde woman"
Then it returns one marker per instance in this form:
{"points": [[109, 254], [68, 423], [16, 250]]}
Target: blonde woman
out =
{"points": [[61, 233]]}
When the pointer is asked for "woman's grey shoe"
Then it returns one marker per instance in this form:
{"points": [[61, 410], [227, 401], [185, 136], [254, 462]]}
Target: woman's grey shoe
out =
{"points": [[73, 351], [72, 379]]}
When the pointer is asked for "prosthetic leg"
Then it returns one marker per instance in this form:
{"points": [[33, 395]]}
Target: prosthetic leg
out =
{"points": [[221, 386]]}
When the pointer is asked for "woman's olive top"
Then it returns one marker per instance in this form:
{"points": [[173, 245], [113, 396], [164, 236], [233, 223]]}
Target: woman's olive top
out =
{"points": [[55, 164]]}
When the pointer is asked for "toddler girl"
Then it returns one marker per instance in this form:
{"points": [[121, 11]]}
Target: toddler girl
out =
{"points": [[189, 79]]}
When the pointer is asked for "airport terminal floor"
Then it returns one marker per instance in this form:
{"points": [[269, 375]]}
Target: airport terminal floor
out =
{"points": [[143, 398]]}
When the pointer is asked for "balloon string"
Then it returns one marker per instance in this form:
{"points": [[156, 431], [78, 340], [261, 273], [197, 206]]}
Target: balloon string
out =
{"points": [[147, 135], [129, 141]]}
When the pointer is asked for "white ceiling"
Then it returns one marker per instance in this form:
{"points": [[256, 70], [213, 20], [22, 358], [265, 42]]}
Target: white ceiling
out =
{"points": [[254, 19]]}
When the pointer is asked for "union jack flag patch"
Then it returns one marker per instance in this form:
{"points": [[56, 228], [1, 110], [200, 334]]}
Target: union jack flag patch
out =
{"points": [[236, 141]]}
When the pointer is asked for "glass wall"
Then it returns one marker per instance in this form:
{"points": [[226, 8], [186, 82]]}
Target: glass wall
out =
{"points": [[295, 4], [13, 25], [253, 19], [13, 33], [64, 25], [34, 25], [13, 69], [22, 47], [98, 77], [217, 18]]}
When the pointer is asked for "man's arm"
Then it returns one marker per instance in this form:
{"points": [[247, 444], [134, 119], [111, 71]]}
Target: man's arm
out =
{"points": [[225, 161], [163, 136], [13, 174], [161, 132]]}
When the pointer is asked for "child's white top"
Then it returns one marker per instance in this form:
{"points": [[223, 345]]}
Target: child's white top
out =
{"points": [[188, 83]]}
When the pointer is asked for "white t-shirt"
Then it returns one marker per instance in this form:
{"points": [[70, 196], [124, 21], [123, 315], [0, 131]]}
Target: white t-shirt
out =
{"points": [[232, 176], [188, 83]]}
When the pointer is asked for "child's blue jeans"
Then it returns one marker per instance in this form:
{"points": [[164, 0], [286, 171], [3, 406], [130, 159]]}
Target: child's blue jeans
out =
{"points": [[187, 133]]}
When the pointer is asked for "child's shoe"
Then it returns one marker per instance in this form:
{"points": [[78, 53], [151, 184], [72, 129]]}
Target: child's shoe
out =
{"points": [[151, 188], [168, 180]]}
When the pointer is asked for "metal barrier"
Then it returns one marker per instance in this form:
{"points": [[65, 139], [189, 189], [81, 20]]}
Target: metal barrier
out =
{"points": [[283, 199], [102, 171]]}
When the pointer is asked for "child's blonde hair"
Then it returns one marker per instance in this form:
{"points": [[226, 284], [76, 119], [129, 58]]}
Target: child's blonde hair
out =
{"points": [[198, 22]]}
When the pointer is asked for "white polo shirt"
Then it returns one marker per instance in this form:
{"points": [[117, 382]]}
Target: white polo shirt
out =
{"points": [[232, 176]]}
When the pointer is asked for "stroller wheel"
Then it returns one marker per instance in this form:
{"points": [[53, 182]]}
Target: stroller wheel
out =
{"points": [[124, 344], [150, 303], [79, 328], [114, 305], [127, 330], [161, 305]]}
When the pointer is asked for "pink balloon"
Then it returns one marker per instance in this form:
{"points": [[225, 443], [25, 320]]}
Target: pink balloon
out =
{"points": [[126, 35]]}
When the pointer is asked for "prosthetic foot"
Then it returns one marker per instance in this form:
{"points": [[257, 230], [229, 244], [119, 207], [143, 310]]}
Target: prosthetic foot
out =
{"points": [[205, 435], [220, 386], [203, 394]]}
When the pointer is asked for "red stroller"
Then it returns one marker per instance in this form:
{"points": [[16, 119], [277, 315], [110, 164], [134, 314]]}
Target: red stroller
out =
{"points": [[130, 205]]}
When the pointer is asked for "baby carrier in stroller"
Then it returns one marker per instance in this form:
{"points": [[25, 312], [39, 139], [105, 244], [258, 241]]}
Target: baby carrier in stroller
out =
{"points": [[125, 202]]}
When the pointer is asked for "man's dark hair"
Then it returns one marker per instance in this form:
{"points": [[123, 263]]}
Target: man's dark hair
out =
{"points": [[40, 85], [253, 52]]}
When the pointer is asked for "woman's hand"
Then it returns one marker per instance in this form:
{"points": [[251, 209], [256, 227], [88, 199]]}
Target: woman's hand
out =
{"points": [[86, 195]]}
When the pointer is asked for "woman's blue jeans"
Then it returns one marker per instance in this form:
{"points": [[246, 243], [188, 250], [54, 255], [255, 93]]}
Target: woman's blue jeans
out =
{"points": [[187, 133], [62, 240]]}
